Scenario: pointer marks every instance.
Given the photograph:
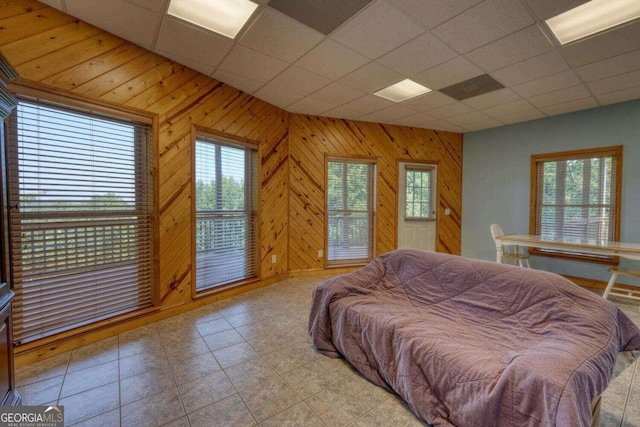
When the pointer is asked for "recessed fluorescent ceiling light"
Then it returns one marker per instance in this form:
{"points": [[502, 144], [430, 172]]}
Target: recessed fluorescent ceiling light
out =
{"points": [[591, 18], [226, 17], [402, 91]]}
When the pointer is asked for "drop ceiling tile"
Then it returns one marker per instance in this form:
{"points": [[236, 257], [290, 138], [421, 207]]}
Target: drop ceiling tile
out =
{"points": [[487, 124], [511, 49], [418, 55], [331, 60], [371, 78], [531, 69], [239, 82], [491, 99], [177, 37], [419, 120], [560, 96], [277, 96], [248, 63], [337, 94], [616, 83], [310, 106], [324, 16], [124, 19], [522, 117], [619, 96], [445, 126], [569, 107], [510, 108], [152, 5], [298, 80], [545, 9], [54, 3], [602, 46], [611, 67], [450, 110], [279, 36], [428, 101], [368, 104], [547, 84], [387, 115], [188, 62], [342, 112], [483, 24], [433, 13], [469, 118], [447, 74], [376, 30]]}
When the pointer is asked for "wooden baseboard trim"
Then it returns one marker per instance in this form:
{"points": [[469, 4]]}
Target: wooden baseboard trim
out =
{"points": [[323, 271], [595, 284]]}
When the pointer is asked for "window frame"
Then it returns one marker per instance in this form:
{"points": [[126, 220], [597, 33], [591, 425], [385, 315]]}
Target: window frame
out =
{"points": [[35, 93], [431, 170], [199, 132], [534, 210], [372, 209]]}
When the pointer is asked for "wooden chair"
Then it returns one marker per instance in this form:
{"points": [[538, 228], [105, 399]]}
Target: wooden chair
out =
{"points": [[517, 256]]}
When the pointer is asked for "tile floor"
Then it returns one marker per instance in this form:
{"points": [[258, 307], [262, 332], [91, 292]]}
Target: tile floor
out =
{"points": [[243, 361]]}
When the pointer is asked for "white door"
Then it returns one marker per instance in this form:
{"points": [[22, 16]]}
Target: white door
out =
{"points": [[416, 206]]}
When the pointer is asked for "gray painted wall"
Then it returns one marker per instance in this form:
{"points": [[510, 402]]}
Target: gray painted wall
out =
{"points": [[496, 169]]}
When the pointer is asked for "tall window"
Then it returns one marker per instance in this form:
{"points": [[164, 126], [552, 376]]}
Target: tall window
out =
{"points": [[419, 193], [226, 217], [350, 211], [81, 217], [576, 195]]}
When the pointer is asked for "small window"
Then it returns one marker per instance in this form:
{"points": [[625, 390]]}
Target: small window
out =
{"points": [[226, 216], [576, 195], [350, 211], [419, 193]]}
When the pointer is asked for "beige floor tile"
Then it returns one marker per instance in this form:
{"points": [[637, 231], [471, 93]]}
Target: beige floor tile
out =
{"points": [[229, 412], [366, 390], [235, 354], [41, 392], [90, 403], [94, 354], [108, 419], [180, 422], [205, 391], [293, 357], [220, 340], [45, 369], [296, 416], [142, 362], [269, 397], [185, 349], [194, 368], [213, 326], [146, 384], [310, 379], [86, 379], [251, 373], [372, 419], [337, 405], [155, 410], [396, 410], [182, 332], [133, 346]]}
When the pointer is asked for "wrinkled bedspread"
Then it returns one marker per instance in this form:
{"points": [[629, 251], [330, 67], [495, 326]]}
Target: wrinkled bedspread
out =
{"points": [[473, 343]]}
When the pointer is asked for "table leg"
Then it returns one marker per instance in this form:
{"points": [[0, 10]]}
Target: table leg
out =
{"points": [[612, 281]]}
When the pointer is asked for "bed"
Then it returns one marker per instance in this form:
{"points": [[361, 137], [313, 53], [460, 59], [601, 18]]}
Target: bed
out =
{"points": [[474, 343]]}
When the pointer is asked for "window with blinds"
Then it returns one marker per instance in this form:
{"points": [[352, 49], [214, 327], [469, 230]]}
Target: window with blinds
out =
{"points": [[350, 211], [419, 193], [80, 202], [226, 212], [576, 195]]}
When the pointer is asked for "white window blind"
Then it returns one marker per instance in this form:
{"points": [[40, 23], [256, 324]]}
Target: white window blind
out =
{"points": [[576, 195], [419, 193], [80, 202], [226, 216], [350, 211]]}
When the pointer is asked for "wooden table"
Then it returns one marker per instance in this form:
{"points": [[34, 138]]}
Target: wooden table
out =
{"points": [[582, 246]]}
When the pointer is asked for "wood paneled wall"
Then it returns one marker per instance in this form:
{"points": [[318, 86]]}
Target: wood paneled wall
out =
{"points": [[311, 138], [63, 54]]}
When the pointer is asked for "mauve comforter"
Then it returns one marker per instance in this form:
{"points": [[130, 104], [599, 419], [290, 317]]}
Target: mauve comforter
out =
{"points": [[473, 343]]}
